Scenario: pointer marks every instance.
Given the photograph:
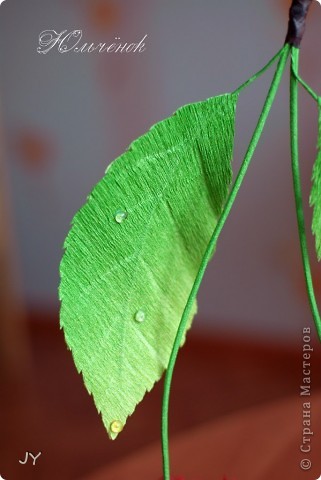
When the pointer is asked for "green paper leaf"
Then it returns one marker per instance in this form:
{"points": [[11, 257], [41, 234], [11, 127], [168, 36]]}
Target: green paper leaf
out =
{"points": [[315, 196], [135, 248]]}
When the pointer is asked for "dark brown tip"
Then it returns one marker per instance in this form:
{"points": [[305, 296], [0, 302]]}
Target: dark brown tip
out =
{"points": [[298, 13]]}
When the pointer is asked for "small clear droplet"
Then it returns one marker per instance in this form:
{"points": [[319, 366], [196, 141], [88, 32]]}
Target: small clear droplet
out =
{"points": [[120, 216], [140, 316], [116, 426]]}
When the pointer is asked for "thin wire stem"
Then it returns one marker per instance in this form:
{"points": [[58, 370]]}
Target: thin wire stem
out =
{"points": [[307, 87], [297, 186], [260, 72], [210, 249]]}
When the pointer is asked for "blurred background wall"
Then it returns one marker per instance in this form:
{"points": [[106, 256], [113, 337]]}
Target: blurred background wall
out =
{"points": [[65, 117]]}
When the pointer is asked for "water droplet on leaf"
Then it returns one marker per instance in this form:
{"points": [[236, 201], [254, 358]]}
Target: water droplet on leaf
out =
{"points": [[140, 316], [120, 216], [116, 426]]}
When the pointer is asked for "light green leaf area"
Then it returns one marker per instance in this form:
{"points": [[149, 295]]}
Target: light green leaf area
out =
{"points": [[315, 196], [135, 248]]}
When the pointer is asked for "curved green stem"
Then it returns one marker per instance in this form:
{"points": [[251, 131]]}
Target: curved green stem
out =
{"points": [[260, 72], [297, 186], [210, 249], [307, 87]]}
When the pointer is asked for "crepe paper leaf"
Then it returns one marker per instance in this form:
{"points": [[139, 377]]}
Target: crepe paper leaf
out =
{"points": [[134, 251], [315, 196]]}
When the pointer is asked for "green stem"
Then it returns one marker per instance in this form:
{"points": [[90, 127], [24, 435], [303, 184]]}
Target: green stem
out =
{"points": [[260, 72], [307, 87], [297, 186], [210, 249]]}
